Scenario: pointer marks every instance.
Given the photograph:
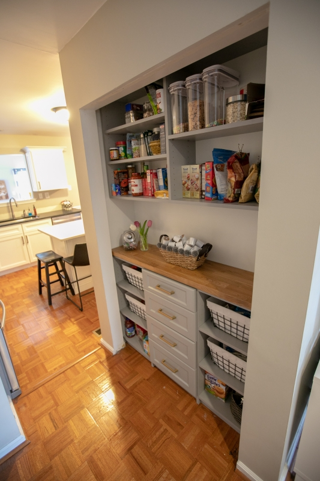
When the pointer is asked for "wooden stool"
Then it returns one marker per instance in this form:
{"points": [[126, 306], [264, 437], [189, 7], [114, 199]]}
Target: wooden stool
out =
{"points": [[50, 259]]}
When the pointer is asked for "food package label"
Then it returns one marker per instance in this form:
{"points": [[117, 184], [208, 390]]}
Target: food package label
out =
{"points": [[215, 386], [210, 182], [186, 184], [162, 179], [195, 181], [220, 158]]}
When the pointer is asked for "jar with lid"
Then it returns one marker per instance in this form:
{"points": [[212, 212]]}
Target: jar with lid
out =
{"points": [[179, 109], [122, 146], [194, 85], [143, 148], [130, 328], [130, 169], [147, 110], [136, 184], [236, 108], [114, 153], [216, 79]]}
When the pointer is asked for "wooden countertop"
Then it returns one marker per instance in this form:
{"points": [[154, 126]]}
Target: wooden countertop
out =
{"points": [[224, 282]]}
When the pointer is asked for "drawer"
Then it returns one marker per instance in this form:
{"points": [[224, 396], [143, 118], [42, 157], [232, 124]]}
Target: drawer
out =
{"points": [[173, 316], [183, 296], [177, 370], [173, 342]]}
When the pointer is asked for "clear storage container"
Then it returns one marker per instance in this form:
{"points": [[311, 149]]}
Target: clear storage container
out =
{"points": [[179, 110], [236, 108], [216, 79], [194, 85]]}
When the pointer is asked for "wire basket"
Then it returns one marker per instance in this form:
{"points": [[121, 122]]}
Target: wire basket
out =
{"points": [[137, 307], [229, 321], [236, 406], [134, 277], [227, 361]]}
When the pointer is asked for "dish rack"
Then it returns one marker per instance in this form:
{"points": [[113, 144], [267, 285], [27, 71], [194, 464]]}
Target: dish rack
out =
{"points": [[228, 362], [134, 277], [229, 321], [137, 307]]}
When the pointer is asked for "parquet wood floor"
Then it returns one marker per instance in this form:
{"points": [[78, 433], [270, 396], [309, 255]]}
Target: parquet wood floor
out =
{"points": [[106, 417]]}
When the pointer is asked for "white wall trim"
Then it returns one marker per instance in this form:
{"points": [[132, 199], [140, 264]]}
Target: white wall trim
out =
{"points": [[11, 446], [107, 346], [247, 472]]}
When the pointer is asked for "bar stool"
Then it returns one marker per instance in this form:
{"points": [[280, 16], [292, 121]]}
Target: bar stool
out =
{"points": [[50, 259], [80, 258]]}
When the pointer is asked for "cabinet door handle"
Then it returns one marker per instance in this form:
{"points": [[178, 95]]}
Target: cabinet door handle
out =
{"points": [[172, 369], [27, 239], [164, 291], [22, 239], [39, 185], [166, 315], [171, 344]]}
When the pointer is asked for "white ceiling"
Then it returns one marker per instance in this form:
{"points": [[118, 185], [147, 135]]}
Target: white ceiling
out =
{"points": [[32, 32]]}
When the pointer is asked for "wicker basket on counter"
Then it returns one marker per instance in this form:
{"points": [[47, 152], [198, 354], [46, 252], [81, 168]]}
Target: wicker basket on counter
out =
{"points": [[188, 262]]}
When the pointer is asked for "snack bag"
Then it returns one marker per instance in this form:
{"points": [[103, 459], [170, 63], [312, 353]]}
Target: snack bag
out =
{"points": [[220, 158], [249, 185], [237, 169], [257, 191]]}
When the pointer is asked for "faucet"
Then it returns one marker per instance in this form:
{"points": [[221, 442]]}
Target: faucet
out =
{"points": [[11, 209]]}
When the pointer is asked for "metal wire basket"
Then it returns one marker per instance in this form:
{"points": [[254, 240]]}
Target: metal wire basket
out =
{"points": [[229, 321], [134, 277], [137, 307], [228, 362]]}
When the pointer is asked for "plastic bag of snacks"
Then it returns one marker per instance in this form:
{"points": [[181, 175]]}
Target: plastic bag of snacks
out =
{"points": [[220, 159], [249, 185], [237, 169], [257, 191]]}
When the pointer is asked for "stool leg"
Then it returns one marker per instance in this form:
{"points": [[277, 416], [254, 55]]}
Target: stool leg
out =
{"points": [[58, 273], [39, 277], [48, 284], [68, 283]]}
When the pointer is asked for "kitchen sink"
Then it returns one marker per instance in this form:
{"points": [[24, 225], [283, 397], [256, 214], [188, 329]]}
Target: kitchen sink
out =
{"points": [[18, 220]]}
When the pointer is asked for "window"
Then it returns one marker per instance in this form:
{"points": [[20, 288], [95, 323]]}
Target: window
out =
{"points": [[14, 178]]}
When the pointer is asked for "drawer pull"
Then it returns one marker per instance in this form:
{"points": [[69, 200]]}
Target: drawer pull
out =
{"points": [[171, 344], [166, 315], [170, 293], [172, 369]]}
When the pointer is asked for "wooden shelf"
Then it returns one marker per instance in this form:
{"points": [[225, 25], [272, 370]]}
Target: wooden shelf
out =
{"points": [[210, 330], [208, 365], [139, 125], [236, 128], [218, 280], [221, 409], [136, 319], [126, 286]]}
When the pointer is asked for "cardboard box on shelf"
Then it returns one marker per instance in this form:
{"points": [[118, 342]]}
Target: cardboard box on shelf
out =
{"points": [[186, 184], [215, 386], [195, 181]]}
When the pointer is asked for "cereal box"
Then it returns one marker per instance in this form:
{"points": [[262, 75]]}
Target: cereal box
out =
{"points": [[195, 181], [215, 386], [186, 184], [210, 186], [203, 180]]}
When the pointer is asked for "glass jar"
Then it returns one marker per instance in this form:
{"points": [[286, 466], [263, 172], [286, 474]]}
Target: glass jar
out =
{"points": [[179, 109], [136, 184], [236, 108], [122, 146], [215, 80], [194, 85], [130, 169], [147, 110], [114, 153], [129, 240]]}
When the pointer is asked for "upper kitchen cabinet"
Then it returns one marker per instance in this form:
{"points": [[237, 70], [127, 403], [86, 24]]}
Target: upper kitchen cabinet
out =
{"points": [[46, 168]]}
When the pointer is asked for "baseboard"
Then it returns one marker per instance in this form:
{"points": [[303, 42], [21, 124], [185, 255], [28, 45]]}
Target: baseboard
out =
{"points": [[247, 472], [11, 446], [107, 346]]}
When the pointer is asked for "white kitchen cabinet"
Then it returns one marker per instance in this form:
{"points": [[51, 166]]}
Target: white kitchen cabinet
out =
{"points": [[20, 242], [46, 168]]}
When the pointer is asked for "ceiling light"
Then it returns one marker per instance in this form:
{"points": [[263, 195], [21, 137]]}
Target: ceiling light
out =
{"points": [[62, 113]]}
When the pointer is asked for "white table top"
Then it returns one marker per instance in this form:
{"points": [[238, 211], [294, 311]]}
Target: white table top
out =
{"points": [[65, 231]]}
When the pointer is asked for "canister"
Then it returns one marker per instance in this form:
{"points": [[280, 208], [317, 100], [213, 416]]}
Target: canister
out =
{"points": [[114, 153], [122, 146], [194, 85], [130, 169], [216, 79], [179, 108], [236, 108]]}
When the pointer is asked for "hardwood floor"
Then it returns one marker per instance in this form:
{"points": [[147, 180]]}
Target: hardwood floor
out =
{"points": [[97, 416]]}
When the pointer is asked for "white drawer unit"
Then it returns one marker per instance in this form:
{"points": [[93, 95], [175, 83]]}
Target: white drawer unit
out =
{"points": [[177, 318], [178, 345], [180, 294], [177, 370]]}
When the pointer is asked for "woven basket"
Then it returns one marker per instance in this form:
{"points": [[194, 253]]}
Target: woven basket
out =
{"points": [[179, 260], [155, 147], [236, 406]]}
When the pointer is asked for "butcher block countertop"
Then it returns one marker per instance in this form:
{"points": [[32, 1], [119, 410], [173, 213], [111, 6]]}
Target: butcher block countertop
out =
{"points": [[218, 280]]}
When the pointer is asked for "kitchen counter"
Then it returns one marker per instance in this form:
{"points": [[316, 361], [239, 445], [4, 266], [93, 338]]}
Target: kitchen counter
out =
{"points": [[44, 215], [218, 280], [65, 231]]}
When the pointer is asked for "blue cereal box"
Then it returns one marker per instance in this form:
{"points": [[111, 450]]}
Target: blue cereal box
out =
{"points": [[162, 179]]}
